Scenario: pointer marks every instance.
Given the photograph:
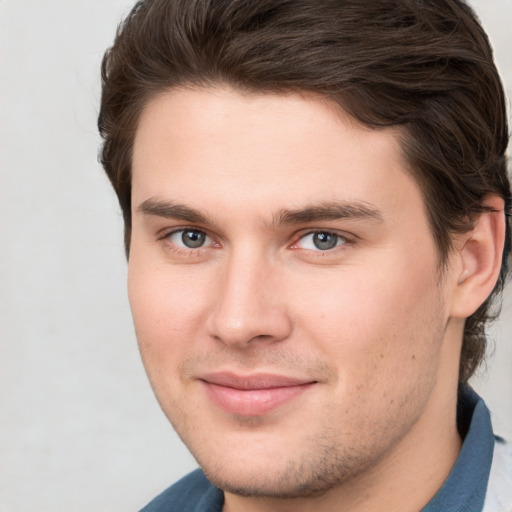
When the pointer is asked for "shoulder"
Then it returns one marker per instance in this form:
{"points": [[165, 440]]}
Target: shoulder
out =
{"points": [[193, 493], [499, 489]]}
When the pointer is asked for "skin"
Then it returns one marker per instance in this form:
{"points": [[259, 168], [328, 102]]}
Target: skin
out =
{"points": [[371, 322]]}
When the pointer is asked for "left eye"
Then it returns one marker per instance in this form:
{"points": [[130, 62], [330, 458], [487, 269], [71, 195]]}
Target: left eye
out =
{"points": [[189, 238], [321, 241]]}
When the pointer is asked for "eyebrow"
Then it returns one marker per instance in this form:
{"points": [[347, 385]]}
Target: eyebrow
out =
{"points": [[172, 210], [332, 210]]}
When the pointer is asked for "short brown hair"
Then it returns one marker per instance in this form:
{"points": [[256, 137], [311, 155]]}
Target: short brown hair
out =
{"points": [[425, 66]]}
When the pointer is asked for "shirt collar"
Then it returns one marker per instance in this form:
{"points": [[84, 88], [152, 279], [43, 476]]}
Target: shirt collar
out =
{"points": [[464, 489]]}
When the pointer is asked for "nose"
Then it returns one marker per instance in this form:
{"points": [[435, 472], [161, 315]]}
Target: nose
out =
{"points": [[249, 306]]}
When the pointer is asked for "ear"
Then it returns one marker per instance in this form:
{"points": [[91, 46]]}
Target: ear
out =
{"points": [[478, 259]]}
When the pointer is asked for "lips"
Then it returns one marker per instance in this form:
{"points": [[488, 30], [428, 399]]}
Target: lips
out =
{"points": [[253, 395]]}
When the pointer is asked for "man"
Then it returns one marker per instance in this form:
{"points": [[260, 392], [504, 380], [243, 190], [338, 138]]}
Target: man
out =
{"points": [[316, 211]]}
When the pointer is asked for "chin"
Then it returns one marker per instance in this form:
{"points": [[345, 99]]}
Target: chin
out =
{"points": [[280, 475], [287, 485]]}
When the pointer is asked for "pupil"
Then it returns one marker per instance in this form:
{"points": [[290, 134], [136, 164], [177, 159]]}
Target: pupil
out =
{"points": [[324, 241], [193, 239]]}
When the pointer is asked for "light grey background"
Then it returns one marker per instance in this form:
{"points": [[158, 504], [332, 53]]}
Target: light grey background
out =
{"points": [[80, 429]]}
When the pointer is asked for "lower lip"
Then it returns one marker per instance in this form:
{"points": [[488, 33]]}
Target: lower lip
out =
{"points": [[253, 402]]}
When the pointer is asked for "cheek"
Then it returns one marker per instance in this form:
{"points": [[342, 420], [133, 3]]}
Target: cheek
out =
{"points": [[377, 326], [166, 307]]}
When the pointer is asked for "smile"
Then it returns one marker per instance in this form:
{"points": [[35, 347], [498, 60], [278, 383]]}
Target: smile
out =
{"points": [[252, 395]]}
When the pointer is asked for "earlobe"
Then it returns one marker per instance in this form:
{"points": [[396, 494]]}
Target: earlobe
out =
{"points": [[479, 255]]}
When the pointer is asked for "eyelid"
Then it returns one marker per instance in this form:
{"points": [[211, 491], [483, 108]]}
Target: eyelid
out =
{"points": [[166, 232]]}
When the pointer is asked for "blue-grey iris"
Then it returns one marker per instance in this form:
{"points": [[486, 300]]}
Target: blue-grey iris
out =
{"points": [[193, 239], [325, 241]]}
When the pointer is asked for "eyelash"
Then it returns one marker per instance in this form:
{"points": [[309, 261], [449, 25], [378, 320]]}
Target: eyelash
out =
{"points": [[189, 251]]}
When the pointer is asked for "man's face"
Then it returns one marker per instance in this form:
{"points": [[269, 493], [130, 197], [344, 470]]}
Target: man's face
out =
{"points": [[285, 289]]}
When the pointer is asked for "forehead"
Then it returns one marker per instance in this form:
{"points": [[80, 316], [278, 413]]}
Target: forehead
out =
{"points": [[219, 147]]}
